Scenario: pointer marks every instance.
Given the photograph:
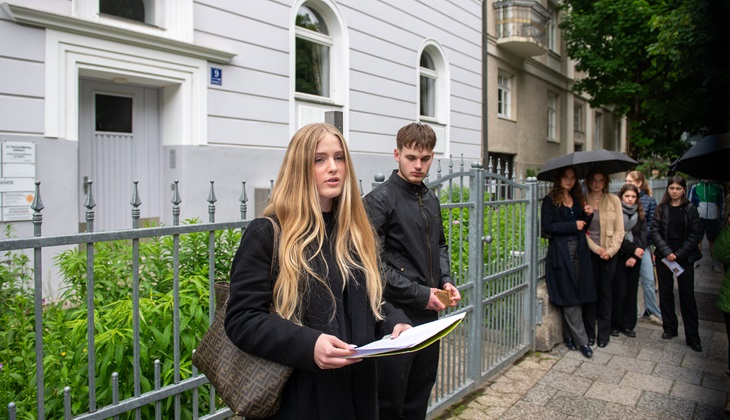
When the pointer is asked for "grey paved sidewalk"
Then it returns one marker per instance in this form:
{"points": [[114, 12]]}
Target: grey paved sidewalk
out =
{"points": [[644, 377]]}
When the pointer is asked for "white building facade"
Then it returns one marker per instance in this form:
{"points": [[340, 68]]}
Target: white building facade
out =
{"points": [[200, 90]]}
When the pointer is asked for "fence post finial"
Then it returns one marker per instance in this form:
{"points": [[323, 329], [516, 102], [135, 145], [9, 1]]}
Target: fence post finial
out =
{"points": [[243, 199], [135, 202]]}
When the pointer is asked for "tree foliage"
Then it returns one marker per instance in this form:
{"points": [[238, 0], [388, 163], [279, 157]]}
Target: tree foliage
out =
{"points": [[658, 62]]}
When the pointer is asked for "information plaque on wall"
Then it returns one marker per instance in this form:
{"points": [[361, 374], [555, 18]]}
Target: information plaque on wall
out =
{"points": [[17, 180]]}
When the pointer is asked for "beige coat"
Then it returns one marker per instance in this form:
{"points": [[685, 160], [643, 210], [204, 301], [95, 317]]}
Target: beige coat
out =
{"points": [[612, 225]]}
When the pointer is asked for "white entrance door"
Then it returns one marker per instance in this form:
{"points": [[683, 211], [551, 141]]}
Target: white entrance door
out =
{"points": [[119, 142]]}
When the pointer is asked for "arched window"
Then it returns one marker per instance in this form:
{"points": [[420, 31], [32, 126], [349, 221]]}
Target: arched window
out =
{"points": [[433, 92], [313, 49]]}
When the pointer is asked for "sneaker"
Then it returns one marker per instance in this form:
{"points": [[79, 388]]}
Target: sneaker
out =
{"points": [[697, 264], [655, 319], [716, 268]]}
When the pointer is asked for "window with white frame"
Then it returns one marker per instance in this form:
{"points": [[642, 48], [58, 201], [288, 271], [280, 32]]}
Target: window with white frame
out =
{"points": [[578, 124], [552, 117], [428, 77], [552, 30], [313, 48], [597, 129], [171, 19], [138, 10], [504, 96]]}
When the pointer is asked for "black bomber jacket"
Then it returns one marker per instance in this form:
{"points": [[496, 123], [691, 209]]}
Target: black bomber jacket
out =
{"points": [[659, 229], [407, 219]]}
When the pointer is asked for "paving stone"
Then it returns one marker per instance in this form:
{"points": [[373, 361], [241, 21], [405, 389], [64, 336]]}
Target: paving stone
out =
{"points": [[698, 394], [613, 411], [703, 364], [706, 412], [528, 411], [716, 381], [678, 373], [647, 382], [661, 403], [654, 354], [568, 364], [614, 393], [565, 382], [619, 348], [584, 408], [632, 365], [540, 394], [607, 374]]}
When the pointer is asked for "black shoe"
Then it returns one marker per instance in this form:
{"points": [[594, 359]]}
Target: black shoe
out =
{"points": [[695, 346], [586, 351], [591, 341], [602, 343], [570, 344], [614, 333], [668, 335], [628, 332]]}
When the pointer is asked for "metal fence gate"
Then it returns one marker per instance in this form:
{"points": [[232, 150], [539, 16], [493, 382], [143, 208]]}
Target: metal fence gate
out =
{"points": [[491, 228]]}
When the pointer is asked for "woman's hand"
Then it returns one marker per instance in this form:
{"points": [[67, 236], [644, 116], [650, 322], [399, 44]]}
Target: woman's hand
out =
{"points": [[630, 262], [671, 257], [399, 328], [330, 352], [588, 209], [639, 252], [580, 224]]}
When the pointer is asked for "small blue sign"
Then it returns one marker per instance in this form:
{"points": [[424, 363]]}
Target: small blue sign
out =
{"points": [[216, 76]]}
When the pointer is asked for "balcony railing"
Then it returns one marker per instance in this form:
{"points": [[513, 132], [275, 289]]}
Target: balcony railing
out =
{"points": [[522, 27]]}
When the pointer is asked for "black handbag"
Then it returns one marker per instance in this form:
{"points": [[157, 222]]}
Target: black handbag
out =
{"points": [[249, 385]]}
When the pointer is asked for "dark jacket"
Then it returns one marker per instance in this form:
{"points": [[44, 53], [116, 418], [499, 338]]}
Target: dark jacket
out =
{"points": [[407, 218], [639, 232], [310, 393], [648, 203], [689, 251], [558, 224]]}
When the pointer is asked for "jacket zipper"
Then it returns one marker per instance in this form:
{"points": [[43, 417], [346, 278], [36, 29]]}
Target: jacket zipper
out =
{"points": [[428, 242]]}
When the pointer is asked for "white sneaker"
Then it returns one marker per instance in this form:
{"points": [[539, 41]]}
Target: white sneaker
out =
{"points": [[716, 268], [655, 319]]}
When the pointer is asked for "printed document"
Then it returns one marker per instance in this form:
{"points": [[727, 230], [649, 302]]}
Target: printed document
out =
{"points": [[410, 340], [674, 266]]}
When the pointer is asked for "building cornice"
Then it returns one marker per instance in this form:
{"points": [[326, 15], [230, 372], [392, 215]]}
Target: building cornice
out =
{"points": [[43, 19]]}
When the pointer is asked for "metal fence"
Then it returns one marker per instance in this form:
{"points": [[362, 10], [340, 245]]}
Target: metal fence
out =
{"points": [[491, 227]]}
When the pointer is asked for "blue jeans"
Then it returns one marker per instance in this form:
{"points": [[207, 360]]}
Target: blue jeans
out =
{"points": [[646, 278]]}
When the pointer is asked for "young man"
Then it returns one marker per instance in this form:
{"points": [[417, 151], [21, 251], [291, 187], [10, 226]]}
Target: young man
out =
{"points": [[709, 198], [407, 218]]}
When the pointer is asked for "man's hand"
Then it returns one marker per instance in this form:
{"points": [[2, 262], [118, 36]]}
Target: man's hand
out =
{"points": [[434, 303], [330, 352], [455, 295]]}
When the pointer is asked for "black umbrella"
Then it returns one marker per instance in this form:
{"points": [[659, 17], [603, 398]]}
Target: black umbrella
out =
{"points": [[606, 160], [708, 159]]}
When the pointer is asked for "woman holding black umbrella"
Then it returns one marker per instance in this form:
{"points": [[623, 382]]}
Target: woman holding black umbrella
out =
{"points": [[568, 272], [605, 234]]}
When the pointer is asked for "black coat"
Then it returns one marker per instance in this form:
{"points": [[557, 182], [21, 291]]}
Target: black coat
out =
{"points": [[559, 224], [310, 393], [639, 232]]}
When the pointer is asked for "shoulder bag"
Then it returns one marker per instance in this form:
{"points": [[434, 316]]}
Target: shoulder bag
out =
{"points": [[249, 385]]}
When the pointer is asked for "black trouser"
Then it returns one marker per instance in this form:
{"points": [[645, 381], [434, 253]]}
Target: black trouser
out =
{"points": [[727, 331], [687, 303], [405, 382], [625, 289], [600, 311]]}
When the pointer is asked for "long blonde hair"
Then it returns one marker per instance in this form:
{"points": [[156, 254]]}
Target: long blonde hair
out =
{"points": [[295, 203], [639, 177]]}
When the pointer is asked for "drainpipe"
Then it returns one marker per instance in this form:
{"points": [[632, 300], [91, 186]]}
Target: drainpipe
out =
{"points": [[485, 93]]}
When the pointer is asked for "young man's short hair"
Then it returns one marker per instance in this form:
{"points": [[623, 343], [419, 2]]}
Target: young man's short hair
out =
{"points": [[417, 136]]}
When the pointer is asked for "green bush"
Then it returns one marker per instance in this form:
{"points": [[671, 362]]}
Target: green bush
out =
{"points": [[65, 342]]}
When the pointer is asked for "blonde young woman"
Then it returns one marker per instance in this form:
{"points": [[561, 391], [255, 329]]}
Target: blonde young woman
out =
{"points": [[326, 289], [605, 234]]}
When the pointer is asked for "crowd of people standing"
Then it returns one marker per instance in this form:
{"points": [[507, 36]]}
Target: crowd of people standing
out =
{"points": [[602, 247]]}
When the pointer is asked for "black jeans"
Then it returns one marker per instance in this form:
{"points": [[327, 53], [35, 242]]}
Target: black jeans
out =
{"points": [[600, 311], [625, 289], [405, 382]]}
